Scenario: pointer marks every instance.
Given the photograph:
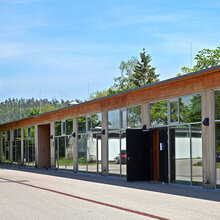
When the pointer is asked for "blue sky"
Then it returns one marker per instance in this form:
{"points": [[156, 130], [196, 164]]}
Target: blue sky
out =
{"points": [[67, 49]]}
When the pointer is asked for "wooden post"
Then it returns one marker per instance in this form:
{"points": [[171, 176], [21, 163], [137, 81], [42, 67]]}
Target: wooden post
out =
{"points": [[104, 145], [75, 145], [208, 144], [145, 116]]}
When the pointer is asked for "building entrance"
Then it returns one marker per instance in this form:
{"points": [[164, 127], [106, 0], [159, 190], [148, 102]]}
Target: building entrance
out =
{"points": [[139, 155]]}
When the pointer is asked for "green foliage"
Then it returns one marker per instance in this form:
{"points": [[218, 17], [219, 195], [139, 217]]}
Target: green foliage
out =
{"points": [[15, 109], [205, 58], [134, 74], [33, 112], [159, 113], [144, 73]]}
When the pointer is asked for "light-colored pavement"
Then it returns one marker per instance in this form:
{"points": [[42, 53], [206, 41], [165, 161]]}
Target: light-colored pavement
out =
{"points": [[18, 201]]}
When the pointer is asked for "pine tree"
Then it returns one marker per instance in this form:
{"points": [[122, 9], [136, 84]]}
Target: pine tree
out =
{"points": [[144, 73]]}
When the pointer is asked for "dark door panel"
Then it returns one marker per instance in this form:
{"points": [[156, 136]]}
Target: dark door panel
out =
{"points": [[139, 155]]}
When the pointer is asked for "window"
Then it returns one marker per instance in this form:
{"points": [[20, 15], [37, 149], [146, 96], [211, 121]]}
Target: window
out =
{"points": [[158, 113]]}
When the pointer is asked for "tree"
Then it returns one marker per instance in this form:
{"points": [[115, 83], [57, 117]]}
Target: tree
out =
{"points": [[33, 112], [144, 73], [205, 58], [134, 74]]}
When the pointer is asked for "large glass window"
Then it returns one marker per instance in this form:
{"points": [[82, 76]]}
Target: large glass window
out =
{"points": [[217, 153], [82, 152], [114, 120], [82, 124], [96, 120], [186, 154], [217, 105], [29, 146], [64, 144], [16, 146], [134, 116], [6, 147], [196, 140], [190, 108], [159, 113], [180, 154], [114, 154], [217, 137], [174, 111], [89, 143]]}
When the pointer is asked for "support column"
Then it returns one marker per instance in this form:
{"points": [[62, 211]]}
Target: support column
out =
{"points": [[52, 146], [208, 144], [145, 115], [75, 145], [36, 145], [11, 146], [105, 144], [1, 150], [22, 146]]}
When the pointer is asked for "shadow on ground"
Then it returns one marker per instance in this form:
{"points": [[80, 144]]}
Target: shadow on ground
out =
{"points": [[172, 189]]}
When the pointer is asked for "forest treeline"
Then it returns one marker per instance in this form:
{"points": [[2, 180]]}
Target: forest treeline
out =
{"points": [[15, 109]]}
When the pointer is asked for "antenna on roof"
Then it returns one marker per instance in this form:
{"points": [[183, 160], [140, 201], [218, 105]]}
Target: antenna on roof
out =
{"points": [[190, 55], [40, 99]]}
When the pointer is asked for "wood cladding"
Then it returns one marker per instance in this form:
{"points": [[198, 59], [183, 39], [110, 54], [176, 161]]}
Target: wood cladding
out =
{"points": [[155, 143], [196, 83], [43, 146]]}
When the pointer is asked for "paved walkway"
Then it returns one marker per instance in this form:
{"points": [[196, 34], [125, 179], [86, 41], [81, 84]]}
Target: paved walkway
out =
{"points": [[49, 194]]}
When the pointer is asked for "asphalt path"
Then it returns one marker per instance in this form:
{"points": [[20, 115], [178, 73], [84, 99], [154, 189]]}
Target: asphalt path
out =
{"points": [[28, 193]]}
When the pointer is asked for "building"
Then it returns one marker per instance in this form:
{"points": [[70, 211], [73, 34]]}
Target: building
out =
{"points": [[166, 132]]}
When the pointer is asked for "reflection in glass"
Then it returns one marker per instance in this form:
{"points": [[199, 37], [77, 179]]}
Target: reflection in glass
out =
{"points": [[217, 153], [82, 124], [180, 155], [124, 119], [217, 104], [82, 152], [190, 108], [174, 112], [134, 116], [114, 153], [96, 122], [92, 153], [32, 132], [123, 154], [158, 113], [113, 120], [57, 151], [62, 159], [57, 128], [99, 153], [69, 152], [69, 126], [196, 136]]}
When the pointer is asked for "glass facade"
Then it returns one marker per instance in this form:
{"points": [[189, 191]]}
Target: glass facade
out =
{"points": [[118, 121], [29, 146], [186, 154], [6, 147], [183, 117], [64, 144], [217, 137], [159, 113], [89, 143], [16, 146]]}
